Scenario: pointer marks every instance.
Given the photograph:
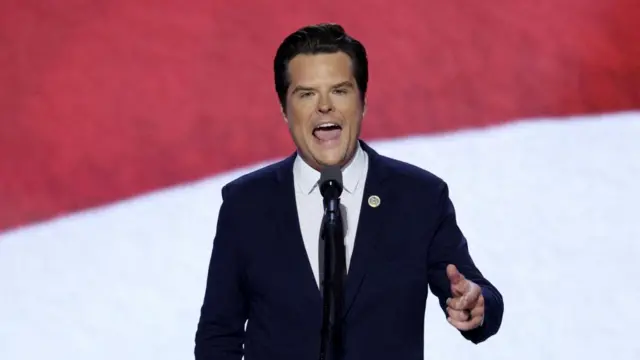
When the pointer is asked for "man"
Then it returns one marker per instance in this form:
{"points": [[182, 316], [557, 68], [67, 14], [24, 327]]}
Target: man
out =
{"points": [[401, 234]]}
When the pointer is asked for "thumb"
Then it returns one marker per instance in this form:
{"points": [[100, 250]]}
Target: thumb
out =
{"points": [[458, 281], [454, 275]]}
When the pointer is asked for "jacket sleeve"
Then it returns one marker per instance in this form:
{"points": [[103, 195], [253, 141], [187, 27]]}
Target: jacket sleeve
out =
{"points": [[221, 327], [449, 246]]}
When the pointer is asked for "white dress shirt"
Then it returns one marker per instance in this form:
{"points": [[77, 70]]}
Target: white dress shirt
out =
{"points": [[311, 210]]}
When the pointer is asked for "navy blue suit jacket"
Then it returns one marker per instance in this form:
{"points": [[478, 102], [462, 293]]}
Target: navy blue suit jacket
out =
{"points": [[259, 270]]}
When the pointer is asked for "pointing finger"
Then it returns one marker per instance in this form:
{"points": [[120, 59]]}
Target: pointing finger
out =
{"points": [[467, 301], [461, 287], [458, 303]]}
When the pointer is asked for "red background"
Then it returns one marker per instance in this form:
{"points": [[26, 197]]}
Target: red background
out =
{"points": [[102, 100]]}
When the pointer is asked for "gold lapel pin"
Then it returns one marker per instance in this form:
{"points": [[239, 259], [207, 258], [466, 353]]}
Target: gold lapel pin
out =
{"points": [[374, 201]]}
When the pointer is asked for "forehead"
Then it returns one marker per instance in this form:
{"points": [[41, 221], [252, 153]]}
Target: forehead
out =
{"points": [[320, 68]]}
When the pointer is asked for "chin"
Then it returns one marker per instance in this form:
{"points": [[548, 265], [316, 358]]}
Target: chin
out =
{"points": [[328, 153], [337, 158]]}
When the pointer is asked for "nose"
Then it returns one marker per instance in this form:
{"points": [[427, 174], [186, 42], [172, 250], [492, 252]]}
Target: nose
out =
{"points": [[324, 105]]}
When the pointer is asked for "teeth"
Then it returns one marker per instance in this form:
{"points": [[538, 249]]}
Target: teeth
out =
{"points": [[327, 125]]}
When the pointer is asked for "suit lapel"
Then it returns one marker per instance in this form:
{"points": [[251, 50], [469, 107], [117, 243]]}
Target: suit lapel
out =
{"points": [[370, 226], [289, 230]]}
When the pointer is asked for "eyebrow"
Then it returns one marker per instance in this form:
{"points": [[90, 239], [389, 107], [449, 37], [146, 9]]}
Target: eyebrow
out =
{"points": [[306, 88]]}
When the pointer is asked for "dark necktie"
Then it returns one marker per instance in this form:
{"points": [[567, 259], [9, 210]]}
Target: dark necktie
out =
{"points": [[332, 270]]}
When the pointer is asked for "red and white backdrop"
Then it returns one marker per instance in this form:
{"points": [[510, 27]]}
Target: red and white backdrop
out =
{"points": [[121, 120]]}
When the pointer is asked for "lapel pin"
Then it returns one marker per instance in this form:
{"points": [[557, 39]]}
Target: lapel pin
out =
{"points": [[374, 201]]}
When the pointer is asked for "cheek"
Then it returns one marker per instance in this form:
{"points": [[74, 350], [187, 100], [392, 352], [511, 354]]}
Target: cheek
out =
{"points": [[349, 107], [299, 115], [353, 117], [298, 128]]}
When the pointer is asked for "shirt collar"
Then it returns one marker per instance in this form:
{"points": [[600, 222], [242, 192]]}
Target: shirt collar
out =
{"points": [[306, 177]]}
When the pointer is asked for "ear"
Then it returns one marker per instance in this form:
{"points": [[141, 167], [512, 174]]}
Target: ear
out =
{"points": [[284, 115], [364, 108]]}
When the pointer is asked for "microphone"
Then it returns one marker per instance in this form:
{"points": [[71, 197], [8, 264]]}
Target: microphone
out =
{"points": [[333, 266], [331, 188]]}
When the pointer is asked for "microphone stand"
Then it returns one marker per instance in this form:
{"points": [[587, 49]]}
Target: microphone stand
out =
{"points": [[332, 233]]}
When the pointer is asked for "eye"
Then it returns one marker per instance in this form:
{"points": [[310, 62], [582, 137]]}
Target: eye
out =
{"points": [[340, 91], [305, 94]]}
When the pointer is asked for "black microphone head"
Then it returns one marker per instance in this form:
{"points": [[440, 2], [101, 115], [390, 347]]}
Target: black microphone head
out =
{"points": [[331, 181]]}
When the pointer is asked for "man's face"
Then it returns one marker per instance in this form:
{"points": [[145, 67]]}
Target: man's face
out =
{"points": [[324, 110]]}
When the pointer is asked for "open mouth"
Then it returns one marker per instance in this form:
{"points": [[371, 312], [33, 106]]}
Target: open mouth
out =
{"points": [[327, 131]]}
